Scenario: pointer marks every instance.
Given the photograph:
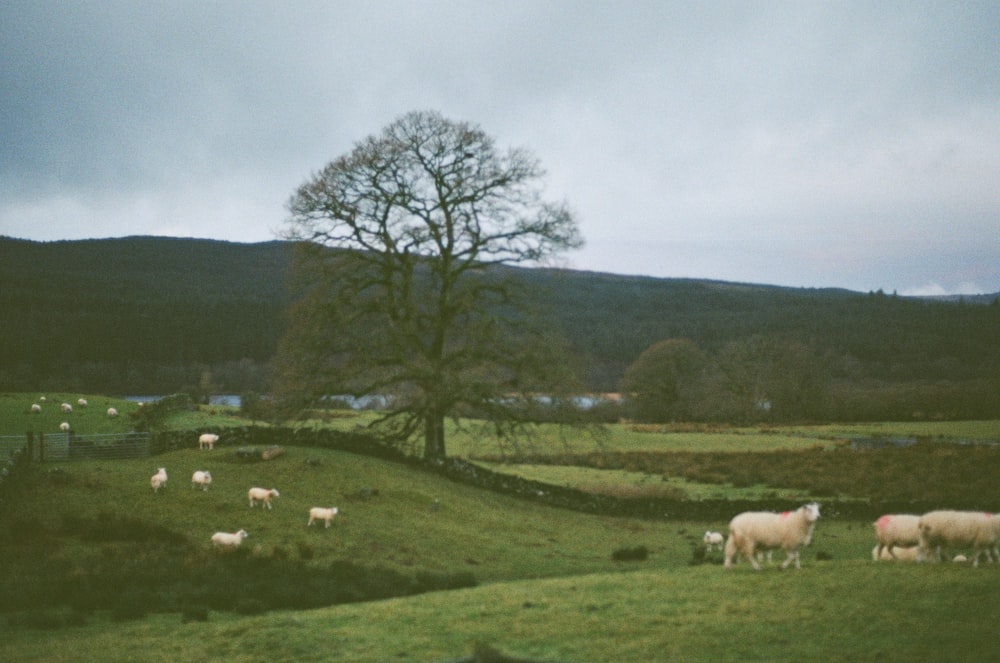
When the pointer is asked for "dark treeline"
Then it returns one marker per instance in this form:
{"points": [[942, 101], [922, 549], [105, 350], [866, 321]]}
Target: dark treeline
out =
{"points": [[158, 315]]}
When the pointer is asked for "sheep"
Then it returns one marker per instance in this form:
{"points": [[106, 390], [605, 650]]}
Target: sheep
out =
{"points": [[207, 441], [262, 495], [320, 513], [64, 426], [712, 539], [36, 408], [901, 553], [790, 531], [66, 407], [227, 541], [958, 529], [112, 412], [896, 530], [201, 478], [82, 402], [158, 480]]}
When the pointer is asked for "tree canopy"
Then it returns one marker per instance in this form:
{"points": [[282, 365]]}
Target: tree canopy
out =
{"points": [[399, 241]]}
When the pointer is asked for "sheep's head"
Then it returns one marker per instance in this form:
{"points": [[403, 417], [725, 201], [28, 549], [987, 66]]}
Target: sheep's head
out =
{"points": [[242, 534], [811, 511]]}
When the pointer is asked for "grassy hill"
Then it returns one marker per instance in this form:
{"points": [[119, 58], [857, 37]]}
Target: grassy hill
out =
{"points": [[548, 586]]}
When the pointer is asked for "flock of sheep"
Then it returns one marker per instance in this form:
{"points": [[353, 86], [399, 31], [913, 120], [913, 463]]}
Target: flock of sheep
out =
{"points": [[228, 541], [899, 536], [66, 408]]}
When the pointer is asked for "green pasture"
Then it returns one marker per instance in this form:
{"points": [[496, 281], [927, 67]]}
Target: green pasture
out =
{"points": [[626, 484], [827, 611]]}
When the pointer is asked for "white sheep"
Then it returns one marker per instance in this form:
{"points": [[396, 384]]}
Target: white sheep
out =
{"points": [[262, 495], [112, 412], [36, 408], [712, 539], [789, 530], [82, 402], [207, 441], [66, 407], [958, 529], [896, 530], [64, 426], [320, 513], [900, 553], [227, 541], [202, 479], [158, 480]]}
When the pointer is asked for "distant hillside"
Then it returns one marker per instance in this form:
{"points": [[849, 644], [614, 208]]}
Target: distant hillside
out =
{"points": [[142, 314]]}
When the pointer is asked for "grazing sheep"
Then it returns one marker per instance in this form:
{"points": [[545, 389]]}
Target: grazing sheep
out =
{"points": [[790, 531], [207, 441], [896, 530], [112, 412], [66, 407], [712, 539], [959, 559], [64, 426], [36, 408], [158, 480], [227, 541], [262, 495], [82, 402], [320, 513], [900, 553], [201, 478], [958, 529]]}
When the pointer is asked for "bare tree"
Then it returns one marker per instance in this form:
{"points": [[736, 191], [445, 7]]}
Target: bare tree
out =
{"points": [[404, 244]]}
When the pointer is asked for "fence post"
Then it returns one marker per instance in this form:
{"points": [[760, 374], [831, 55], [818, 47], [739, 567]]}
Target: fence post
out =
{"points": [[30, 446], [41, 448]]}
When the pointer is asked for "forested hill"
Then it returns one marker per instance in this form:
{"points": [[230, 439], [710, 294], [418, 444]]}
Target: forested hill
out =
{"points": [[150, 314]]}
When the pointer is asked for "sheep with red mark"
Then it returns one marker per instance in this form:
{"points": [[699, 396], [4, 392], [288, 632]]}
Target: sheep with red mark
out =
{"points": [[789, 531], [262, 495], [958, 529], [896, 530]]}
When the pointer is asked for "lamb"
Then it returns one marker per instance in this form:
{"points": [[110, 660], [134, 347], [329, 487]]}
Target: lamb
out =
{"points": [[158, 480], [958, 529], [207, 441], [64, 426], [82, 402], [896, 530], [790, 531], [112, 412], [262, 495], [712, 539], [320, 513], [201, 478], [66, 407], [900, 553], [36, 408], [227, 541]]}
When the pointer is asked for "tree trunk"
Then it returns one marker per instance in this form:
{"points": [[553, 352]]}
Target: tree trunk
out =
{"points": [[434, 435]]}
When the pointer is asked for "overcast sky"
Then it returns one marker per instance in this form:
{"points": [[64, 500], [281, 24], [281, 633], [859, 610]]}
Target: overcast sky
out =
{"points": [[813, 144]]}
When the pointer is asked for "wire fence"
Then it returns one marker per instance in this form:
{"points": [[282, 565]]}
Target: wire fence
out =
{"points": [[60, 447]]}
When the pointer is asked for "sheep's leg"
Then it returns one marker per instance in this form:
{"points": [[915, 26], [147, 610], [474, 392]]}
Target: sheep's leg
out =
{"points": [[751, 553]]}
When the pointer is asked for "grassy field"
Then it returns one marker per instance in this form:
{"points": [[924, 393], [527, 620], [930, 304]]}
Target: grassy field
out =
{"points": [[549, 588], [828, 611]]}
